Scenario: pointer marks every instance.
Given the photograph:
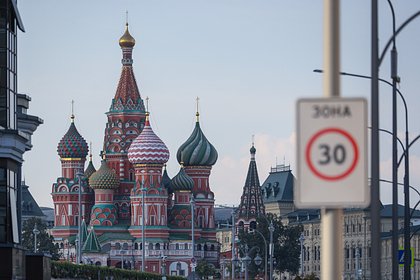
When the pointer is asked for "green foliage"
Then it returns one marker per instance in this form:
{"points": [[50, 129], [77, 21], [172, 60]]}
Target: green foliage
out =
{"points": [[44, 240], [70, 270], [311, 277], [204, 269], [286, 245]]}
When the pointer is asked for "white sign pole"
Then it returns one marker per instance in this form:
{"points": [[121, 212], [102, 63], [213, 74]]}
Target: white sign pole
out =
{"points": [[332, 219]]}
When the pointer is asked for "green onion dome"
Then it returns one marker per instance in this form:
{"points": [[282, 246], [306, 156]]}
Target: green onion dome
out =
{"points": [[166, 181], [90, 169], [197, 150], [182, 182], [104, 178], [72, 145]]}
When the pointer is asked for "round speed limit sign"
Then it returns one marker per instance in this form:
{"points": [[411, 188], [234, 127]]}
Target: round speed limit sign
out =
{"points": [[331, 153], [332, 161]]}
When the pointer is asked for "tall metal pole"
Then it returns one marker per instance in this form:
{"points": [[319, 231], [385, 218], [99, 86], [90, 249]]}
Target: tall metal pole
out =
{"points": [[143, 248], [192, 235], [271, 229], [407, 249], [332, 219], [301, 239], [374, 183], [35, 232], [394, 76], [79, 225], [233, 244]]}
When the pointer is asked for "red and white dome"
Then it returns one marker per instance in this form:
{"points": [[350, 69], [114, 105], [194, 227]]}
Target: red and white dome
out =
{"points": [[148, 148]]}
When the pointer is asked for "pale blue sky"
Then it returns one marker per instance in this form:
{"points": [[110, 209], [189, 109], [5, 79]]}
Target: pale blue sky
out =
{"points": [[248, 61]]}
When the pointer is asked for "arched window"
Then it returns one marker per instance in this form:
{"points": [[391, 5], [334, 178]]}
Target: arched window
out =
{"points": [[136, 246], [186, 246], [157, 246], [253, 225], [150, 246], [176, 246], [199, 247], [117, 246], [205, 247], [212, 247]]}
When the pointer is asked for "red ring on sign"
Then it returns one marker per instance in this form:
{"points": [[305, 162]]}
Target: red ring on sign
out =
{"points": [[348, 170]]}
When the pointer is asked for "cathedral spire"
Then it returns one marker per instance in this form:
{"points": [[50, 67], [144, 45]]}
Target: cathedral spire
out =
{"points": [[251, 205], [127, 97]]}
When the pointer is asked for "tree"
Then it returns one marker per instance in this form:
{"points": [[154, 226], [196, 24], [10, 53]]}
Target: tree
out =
{"points": [[44, 240], [286, 245], [204, 269]]}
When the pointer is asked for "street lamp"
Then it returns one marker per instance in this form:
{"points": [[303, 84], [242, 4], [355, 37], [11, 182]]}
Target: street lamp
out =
{"points": [[395, 163], [234, 258], [79, 224], [192, 236], [163, 265], [247, 259], [143, 245], [271, 229], [35, 231], [301, 240], [265, 243], [178, 267], [271, 246]]}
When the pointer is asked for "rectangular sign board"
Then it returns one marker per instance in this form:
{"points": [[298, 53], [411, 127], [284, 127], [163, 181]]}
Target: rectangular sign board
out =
{"points": [[332, 153]]}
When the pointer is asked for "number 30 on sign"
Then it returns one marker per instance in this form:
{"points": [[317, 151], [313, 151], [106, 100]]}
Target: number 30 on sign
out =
{"points": [[332, 153]]}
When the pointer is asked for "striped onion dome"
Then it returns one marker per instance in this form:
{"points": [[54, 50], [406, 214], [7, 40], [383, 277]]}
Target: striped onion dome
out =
{"points": [[197, 150], [90, 169], [147, 148], [72, 145], [166, 181], [182, 182], [104, 178]]}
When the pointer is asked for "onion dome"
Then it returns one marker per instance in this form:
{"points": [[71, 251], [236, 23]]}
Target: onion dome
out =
{"points": [[104, 178], [126, 40], [72, 145], [166, 181], [90, 169], [252, 150], [197, 150], [147, 148], [182, 182]]}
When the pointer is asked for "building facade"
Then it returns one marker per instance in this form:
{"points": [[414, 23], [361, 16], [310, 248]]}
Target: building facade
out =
{"points": [[356, 241], [136, 216], [16, 129]]}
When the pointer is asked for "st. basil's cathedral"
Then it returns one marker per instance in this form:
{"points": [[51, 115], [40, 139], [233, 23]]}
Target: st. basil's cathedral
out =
{"points": [[130, 204]]}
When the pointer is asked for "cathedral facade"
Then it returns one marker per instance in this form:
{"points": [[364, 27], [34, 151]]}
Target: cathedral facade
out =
{"points": [[132, 214]]}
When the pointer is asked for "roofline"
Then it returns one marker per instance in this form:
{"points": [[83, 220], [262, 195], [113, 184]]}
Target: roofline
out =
{"points": [[18, 18]]}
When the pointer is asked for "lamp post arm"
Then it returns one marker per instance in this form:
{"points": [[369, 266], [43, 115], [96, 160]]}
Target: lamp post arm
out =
{"points": [[401, 184], [409, 145], [402, 26], [414, 209], [379, 79], [417, 230]]}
